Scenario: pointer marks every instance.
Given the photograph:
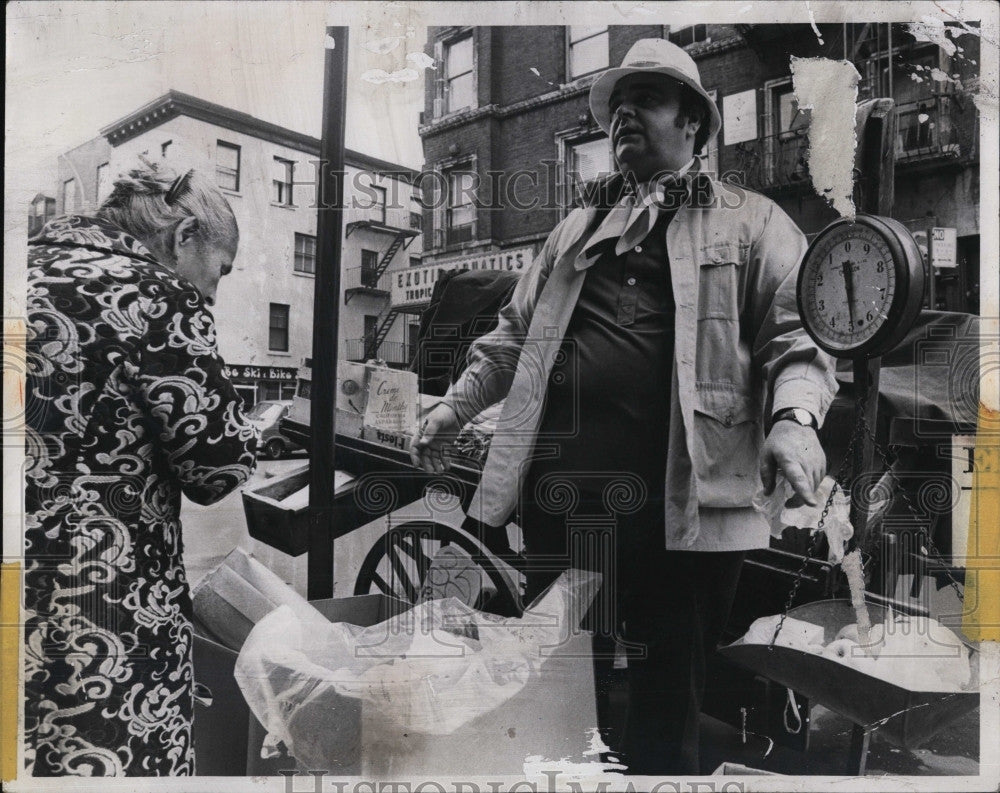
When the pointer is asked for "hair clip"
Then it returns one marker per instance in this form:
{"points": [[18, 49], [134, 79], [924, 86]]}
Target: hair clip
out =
{"points": [[178, 187]]}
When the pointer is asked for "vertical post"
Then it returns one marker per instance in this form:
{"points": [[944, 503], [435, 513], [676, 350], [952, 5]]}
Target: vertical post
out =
{"points": [[326, 305], [866, 381], [929, 278]]}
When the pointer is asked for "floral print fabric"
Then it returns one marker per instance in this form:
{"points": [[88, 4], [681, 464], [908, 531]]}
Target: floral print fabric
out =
{"points": [[127, 406]]}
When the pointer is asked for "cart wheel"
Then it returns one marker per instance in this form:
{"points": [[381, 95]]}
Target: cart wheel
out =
{"points": [[397, 564]]}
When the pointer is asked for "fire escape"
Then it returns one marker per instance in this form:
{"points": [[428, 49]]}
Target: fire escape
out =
{"points": [[370, 281]]}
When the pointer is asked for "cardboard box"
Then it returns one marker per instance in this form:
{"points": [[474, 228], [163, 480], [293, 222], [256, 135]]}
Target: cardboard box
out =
{"points": [[227, 736]]}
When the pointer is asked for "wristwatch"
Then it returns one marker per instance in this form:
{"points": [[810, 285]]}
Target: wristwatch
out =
{"points": [[798, 415]]}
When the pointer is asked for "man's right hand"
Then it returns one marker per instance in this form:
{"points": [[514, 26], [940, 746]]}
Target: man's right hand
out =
{"points": [[437, 432]]}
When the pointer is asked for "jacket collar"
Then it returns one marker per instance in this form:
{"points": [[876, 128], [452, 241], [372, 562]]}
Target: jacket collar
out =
{"points": [[91, 232], [606, 220]]}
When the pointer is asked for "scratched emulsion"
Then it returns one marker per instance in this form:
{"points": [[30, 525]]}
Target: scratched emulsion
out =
{"points": [[829, 89]]}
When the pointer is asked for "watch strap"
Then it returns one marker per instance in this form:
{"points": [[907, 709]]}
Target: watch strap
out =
{"points": [[798, 415]]}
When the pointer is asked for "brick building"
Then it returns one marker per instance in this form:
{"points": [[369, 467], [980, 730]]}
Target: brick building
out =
{"points": [[508, 137], [40, 210], [264, 310]]}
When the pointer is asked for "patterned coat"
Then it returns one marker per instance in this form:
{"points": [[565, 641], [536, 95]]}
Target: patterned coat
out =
{"points": [[127, 406]]}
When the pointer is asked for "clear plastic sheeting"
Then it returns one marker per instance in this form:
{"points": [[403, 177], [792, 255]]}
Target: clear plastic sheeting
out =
{"points": [[429, 671], [836, 526]]}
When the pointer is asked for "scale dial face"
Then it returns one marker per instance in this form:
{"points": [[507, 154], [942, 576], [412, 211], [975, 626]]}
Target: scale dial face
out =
{"points": [[857, 286]]}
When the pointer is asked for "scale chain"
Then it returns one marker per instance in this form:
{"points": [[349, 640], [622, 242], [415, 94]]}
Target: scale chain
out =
{"points": [[930, 549], [797, 582]]}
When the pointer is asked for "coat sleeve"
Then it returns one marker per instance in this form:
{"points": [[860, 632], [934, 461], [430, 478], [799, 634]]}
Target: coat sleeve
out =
{"points": [[193, 411], [796, 373], [493, 357]]}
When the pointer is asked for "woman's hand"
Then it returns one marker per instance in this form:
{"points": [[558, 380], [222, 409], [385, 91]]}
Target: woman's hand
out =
{"points": [[437, 432]]}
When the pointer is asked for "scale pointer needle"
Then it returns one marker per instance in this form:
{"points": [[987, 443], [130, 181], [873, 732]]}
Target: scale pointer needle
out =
{"points": [[847, 268]]}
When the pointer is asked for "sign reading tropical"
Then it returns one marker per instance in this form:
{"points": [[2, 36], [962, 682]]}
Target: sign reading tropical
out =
{"points": [[416, 284]]}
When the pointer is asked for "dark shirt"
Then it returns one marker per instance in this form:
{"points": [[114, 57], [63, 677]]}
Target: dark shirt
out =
{"points": [[608, 398]]}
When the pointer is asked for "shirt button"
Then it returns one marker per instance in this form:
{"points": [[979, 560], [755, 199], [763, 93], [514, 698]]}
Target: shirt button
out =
{"points": [[631, 282], [638, 249]]}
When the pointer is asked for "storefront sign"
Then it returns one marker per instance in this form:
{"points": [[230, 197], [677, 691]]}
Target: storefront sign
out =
{"points": [[944, 247], [416, 284], [739, 112], [269, 374]]}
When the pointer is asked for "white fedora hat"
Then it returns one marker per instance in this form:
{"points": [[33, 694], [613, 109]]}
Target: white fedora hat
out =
{"points": [[652, 56]]}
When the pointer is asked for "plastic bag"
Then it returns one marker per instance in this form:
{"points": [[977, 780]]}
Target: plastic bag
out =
{"points": [[837, 525], [430, 670]]}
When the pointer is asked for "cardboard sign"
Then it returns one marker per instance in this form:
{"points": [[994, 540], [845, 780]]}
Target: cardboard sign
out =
{"points": [[740, 114], [392, 401], [944, 247]]}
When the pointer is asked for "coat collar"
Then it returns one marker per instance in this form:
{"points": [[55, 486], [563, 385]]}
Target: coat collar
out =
{"points": [[91, 232], [610, 219]]}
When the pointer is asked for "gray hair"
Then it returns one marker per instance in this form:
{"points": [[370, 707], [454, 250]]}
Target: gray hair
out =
{"points": [[149, 201]]}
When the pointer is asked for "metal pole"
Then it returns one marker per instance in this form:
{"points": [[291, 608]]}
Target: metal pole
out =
{"points": [[326, 305], [889, 26]]}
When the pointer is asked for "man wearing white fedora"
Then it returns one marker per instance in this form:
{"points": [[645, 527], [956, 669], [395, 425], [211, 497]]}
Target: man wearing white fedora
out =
{"points": [[655, 376]]}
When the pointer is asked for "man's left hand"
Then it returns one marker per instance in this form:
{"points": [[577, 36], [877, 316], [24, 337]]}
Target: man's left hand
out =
{"points": [[795, 451]]}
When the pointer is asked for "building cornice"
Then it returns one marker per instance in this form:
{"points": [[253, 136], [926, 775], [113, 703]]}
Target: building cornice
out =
{"points": [[562, 93], [715, 47], [175, 103]]}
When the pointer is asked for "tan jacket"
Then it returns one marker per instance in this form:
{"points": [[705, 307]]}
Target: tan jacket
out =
{"points": [[740, 354]]}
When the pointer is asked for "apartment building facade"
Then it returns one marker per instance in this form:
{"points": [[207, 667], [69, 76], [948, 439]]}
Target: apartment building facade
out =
{"points": [[40, 209], [509, 139], [264, 308]]}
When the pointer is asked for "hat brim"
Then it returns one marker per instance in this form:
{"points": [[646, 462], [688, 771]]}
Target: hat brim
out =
{"points": [[600, 93]]}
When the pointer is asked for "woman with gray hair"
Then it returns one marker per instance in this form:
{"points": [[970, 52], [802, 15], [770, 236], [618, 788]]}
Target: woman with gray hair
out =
{"points": [[127, 407]]}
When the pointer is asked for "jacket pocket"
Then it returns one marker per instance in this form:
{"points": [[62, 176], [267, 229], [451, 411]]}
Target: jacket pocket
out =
{"points": [[727, 440], [721, 272]]}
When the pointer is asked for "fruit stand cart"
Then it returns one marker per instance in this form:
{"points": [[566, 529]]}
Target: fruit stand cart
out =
{"points": [[353, 480]]}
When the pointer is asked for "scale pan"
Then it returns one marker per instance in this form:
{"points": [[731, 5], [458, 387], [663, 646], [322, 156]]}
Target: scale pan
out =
{"points": [[906, 718]]}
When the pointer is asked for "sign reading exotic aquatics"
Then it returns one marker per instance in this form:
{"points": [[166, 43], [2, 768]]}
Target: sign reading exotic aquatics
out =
{"points": [[416, 284]]}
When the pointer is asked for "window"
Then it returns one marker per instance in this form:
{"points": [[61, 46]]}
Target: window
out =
{"points": [[305, 253], [416, 220], [371, 324], [786, 141], [271, 391], [277, 339], [378, 204], [588, 49], [585, 161], [164, 148], [460, 213], [369, 268], [412, 337], [690, 34], [458, 74], [284, 175], [414, 261], [784, 108], [69, 196], [103, 182], [227, 166]]}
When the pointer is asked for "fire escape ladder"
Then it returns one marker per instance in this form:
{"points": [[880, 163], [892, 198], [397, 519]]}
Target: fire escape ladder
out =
{"points": [[382, 328], [386, 259]]}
